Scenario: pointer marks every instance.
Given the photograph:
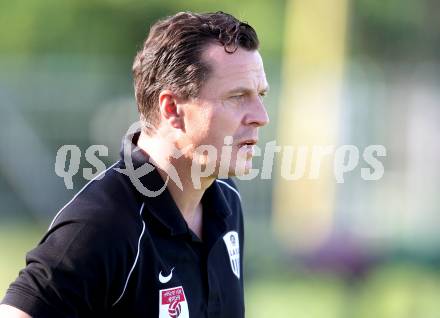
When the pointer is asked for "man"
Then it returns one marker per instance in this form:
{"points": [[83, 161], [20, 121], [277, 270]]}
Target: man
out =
{"points": [[169, 243]]}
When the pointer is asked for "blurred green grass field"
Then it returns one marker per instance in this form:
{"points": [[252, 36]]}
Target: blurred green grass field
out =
{"points": [[15, 241], [392, 291]]}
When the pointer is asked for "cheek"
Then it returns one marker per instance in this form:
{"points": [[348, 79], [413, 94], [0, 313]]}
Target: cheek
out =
{"points": [[196, 121], [224, 124], [202, 129], [228, 121], [209, 124]]}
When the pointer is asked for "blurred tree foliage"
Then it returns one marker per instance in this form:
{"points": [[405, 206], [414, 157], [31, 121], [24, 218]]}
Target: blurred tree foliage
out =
{"points": [[395, 29], [381, 29], [114, 27]]}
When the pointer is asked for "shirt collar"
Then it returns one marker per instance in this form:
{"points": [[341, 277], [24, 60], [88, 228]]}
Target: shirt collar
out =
{"points": [[162, 207]]}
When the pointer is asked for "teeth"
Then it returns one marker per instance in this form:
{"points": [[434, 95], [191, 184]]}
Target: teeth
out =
{"points": [[247, 144]]}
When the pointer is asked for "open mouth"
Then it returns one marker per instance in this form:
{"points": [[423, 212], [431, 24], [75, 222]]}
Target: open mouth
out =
{"points": [[248, 143]]}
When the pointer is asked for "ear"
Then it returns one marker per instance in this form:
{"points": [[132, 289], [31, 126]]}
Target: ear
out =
{"points": [[170, 109]]}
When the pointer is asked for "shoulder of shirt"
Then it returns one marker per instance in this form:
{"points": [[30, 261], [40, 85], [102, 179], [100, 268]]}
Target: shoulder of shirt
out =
{"points": [[229, 189], [233, 197], [108, 203]]}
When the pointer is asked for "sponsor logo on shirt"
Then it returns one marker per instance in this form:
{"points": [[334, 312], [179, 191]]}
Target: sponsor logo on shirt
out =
{"points": [[165, 279], [172, 303], [233, 246]]}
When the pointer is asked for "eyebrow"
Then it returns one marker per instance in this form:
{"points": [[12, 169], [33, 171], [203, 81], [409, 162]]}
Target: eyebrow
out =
{"points": [[243, 89]]}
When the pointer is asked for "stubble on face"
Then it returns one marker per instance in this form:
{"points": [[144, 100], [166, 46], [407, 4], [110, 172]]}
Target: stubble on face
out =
{"points": [[226, 100]]}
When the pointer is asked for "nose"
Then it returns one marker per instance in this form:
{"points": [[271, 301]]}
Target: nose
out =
{"points": [[257, 115]]}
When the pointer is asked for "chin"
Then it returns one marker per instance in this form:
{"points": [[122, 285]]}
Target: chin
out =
{"points": [[242, 167], [240, 164]]}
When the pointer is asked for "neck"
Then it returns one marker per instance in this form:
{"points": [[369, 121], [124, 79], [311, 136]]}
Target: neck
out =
{"points": [[185, 195]]}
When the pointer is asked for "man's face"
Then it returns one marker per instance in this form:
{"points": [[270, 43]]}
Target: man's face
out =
{"points": [[229, 104]]}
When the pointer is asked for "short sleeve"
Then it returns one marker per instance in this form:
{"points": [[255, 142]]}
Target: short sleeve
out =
{"points": [[73, 272]]}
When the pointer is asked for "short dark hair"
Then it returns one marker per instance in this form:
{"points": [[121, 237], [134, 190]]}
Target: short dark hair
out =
{"points": [[171, 55]]}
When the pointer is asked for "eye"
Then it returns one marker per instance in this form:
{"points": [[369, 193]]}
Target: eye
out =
{"points": [[262, 95], [237, 97]]}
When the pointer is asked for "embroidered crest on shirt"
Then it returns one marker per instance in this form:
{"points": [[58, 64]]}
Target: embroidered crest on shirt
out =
{"points": [[233, 245], [172, 303]]}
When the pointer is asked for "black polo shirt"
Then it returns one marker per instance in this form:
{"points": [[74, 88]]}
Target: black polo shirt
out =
{"points": [[113, 252]]}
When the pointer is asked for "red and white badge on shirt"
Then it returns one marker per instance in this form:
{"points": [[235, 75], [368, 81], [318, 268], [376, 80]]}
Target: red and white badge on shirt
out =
{"points": [[172, 303]]}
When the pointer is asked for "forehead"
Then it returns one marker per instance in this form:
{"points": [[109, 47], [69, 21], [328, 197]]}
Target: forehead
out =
{"points": [[242, 68]]}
